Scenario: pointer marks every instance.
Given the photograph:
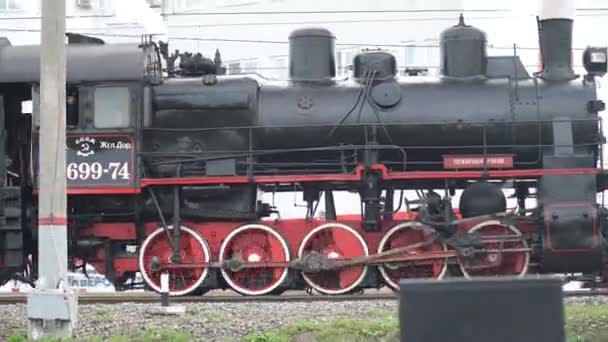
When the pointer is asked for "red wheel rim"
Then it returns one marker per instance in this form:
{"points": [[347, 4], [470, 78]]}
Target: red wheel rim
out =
{"points": [[193, 249], [255, 243], [335, 241], [505, 264], [403, 235]]}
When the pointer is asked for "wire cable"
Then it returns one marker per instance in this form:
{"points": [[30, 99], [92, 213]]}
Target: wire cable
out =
{"points": [[368, 83], [383, 11], [329, 22], [67, 17], [361, 20], [455, 10], [375, 111], [360, 94], [259, 41]]}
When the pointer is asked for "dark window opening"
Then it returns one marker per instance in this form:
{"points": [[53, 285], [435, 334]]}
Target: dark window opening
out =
{"points": [[72, 107]]}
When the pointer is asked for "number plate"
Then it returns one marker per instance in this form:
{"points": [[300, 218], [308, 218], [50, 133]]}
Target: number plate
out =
{"points": [[99, 160]]}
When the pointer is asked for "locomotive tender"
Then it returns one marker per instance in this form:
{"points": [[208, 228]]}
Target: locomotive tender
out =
{"points": [[164, 173]]}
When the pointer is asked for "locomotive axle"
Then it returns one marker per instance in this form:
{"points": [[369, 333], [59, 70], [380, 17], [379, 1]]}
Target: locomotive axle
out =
{"points": [[334, 264], [327, 269]]}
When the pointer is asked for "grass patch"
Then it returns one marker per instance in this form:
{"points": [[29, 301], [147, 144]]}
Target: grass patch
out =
{"points": [[583, 324], [193, 310], [18, 337], [209, 316], [102, 314], [22, 337], [214, 317], [587, 323], [156, 336], [377, 329], [144, 336]]}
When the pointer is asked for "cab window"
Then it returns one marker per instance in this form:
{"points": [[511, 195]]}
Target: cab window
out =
{"points": [[112, 107], [72, 106]]}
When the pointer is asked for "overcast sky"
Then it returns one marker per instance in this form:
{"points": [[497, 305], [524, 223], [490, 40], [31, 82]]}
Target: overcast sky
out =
{"points": [[140, 11]]}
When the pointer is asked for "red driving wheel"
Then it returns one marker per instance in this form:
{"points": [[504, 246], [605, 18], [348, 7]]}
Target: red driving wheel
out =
{"points": [[407, 234], [255, 243], [156, 248], [335, 241], [495, 263]]}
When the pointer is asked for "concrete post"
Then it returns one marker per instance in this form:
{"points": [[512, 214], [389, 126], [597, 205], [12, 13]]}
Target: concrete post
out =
{"points": [[52, 242], [52, 307]]}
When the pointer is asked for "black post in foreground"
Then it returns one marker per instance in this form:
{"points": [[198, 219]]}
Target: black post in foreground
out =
{"points": [[482, 310]]}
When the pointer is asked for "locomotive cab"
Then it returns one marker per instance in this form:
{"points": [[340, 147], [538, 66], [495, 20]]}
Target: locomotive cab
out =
{"points": [[101, 122], [104, 108]]}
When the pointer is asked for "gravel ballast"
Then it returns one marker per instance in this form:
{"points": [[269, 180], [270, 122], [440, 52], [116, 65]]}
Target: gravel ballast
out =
{"points": [[591, 300], [215, 321], [203, 321]]}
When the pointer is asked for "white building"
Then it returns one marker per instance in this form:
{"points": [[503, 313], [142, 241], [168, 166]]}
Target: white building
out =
{"points": [[244, 48], [251, 42], [111, 20]]}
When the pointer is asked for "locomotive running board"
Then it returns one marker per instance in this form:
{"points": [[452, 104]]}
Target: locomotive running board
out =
{"points": [[334, 177], [356, 177]]}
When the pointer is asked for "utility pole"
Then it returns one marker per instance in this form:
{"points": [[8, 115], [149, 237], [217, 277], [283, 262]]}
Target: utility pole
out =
{"points": [[52, 306]]}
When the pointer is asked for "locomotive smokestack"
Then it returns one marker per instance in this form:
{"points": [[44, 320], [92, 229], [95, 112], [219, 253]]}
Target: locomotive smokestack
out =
{"points": [[555, 38], [312, 55]]}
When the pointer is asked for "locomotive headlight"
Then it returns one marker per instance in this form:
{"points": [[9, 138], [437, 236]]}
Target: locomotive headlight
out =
{"points": [[595, 61]]}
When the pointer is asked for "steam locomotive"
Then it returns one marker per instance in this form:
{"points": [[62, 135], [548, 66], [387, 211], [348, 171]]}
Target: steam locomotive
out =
{"points": [[165, 173]]}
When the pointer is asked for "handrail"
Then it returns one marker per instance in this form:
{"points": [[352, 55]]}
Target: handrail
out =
{"points": [[252, 160]]}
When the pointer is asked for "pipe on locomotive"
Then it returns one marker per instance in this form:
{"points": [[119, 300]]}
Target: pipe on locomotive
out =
{"points": [[555, 39]]}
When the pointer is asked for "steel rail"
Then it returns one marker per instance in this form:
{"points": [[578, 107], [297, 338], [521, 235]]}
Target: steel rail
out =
{"points": [[149, 297]]}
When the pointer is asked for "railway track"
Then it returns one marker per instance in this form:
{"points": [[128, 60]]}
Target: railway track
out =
{"points": [[148, 297], [114, 298]]}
